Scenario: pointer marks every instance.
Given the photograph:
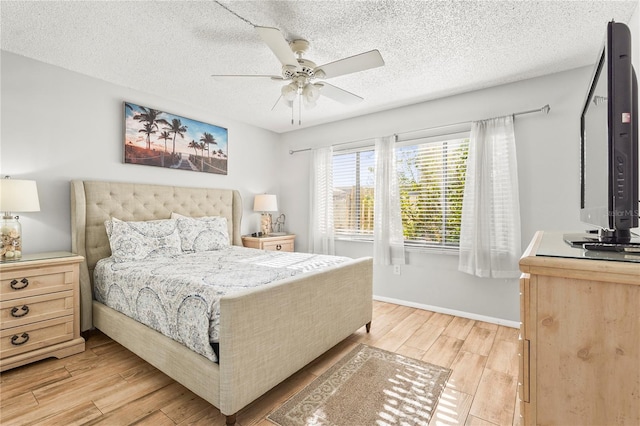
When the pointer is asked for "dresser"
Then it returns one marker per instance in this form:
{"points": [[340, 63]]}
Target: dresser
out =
{"points": [[39, 308], [579, 336], [272, 242]]}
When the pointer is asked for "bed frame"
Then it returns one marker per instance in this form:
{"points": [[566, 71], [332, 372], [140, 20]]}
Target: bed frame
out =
{"points": [[266, 334]]}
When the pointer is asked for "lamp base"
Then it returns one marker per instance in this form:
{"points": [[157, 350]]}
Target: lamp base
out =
{"points": [[11, 233], [265, 224]]}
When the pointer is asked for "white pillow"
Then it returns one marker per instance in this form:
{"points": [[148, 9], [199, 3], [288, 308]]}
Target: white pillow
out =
{"points": [[141, 240], [202, 233]]}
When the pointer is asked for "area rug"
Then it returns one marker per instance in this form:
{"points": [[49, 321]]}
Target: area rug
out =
{"points": [[368, 386]]}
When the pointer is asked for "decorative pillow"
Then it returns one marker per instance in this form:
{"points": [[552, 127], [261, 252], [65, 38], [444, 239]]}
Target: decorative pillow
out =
{"points": [[142, 240], [202, 233]]}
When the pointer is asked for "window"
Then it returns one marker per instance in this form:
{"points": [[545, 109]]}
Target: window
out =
{"points": [[431, 177], [353, 180]]}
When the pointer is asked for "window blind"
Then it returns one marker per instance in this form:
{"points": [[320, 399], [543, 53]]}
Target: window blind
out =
{"points": [[353, 180], [431, 179]]}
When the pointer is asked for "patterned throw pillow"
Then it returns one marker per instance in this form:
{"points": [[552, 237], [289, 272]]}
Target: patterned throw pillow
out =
{"points": [[202, 233], [141, 240]]}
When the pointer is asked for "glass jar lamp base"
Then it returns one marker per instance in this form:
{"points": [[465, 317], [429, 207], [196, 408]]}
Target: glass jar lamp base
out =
{"points": [[11, 232]]}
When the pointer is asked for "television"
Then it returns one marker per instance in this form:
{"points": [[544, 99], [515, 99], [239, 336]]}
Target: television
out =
{"points": [[609, 143]]}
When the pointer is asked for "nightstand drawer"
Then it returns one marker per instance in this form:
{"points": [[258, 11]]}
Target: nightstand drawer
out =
{"points": [[271, 242], [16, 312], [278, 245], [27, 282], [26, 338]]}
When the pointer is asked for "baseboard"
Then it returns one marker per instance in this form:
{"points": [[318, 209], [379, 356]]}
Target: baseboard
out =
{"points": [[477, 317]]}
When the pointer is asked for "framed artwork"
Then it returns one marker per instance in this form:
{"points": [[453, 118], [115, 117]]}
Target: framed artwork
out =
{"points": [[157, 138]]}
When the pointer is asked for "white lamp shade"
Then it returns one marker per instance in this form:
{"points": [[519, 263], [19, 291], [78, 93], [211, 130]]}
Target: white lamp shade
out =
{"points": [[18, 196], [265, 203]]}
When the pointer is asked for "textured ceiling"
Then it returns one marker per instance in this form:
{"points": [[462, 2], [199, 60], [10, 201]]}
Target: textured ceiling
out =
{"points": [[431, 48]]}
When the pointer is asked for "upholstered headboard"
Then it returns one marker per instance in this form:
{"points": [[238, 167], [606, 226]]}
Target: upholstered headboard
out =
{"points": [[94, 202]]}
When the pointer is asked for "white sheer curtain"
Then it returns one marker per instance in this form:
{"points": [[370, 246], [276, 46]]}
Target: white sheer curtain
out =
{"points": [[490, 229], [388, 240], [321, 232]]}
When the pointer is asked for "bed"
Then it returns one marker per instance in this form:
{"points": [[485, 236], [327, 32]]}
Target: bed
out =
{"points": [[265, 334]]}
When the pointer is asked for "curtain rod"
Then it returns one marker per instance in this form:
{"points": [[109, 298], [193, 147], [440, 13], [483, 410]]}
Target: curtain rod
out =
{"points": [[544, 109]]}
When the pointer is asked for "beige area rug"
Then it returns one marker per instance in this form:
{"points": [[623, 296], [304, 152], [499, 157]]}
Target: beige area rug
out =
{"points": [[367, 387]]}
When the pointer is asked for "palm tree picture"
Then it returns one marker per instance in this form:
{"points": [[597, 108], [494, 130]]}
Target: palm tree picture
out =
{"points": [[177, 129], [164, 135], [147, 131]]}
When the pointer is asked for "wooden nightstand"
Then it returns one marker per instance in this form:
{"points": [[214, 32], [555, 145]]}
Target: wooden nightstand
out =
{"points": [[275, 243], [39, 308]]}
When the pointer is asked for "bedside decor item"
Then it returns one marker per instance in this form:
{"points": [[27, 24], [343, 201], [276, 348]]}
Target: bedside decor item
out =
{"points": [[158, 138], [265, 203], [15, 196], [278, 226]]}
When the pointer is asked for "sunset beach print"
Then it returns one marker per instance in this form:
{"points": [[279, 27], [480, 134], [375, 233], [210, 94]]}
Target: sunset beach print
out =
{"points": [[157, 138]]}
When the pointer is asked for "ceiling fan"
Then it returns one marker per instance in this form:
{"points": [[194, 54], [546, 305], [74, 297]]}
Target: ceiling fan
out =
{"points": [[301, 75]]}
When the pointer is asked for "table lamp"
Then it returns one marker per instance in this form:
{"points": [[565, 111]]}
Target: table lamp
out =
{"points": [[265, 203], [15, 196]]}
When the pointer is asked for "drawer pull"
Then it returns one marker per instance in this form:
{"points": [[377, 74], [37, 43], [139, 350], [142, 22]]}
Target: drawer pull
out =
{"points": [[15, 310], [24, 337], [279, 247], [15, 284]]}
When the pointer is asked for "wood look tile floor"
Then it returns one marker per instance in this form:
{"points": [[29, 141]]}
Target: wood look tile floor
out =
{"points": [[108, 385]]}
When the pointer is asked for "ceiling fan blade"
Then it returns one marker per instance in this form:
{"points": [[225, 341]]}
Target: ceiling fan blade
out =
{"points": [[338, 94], [278, 45], [360, 62], [228, 76]]}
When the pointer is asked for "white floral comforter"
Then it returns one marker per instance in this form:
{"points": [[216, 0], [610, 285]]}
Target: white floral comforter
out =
{"points": [[179, 295]]}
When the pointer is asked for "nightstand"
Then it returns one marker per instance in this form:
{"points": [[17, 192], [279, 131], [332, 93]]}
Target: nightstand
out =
{"points": [[39, 308], [272, 242]]}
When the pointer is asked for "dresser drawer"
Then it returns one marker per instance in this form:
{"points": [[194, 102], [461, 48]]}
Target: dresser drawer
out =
{"points": [[26, 310], [25, 282], [29, 337], [278, 245]]}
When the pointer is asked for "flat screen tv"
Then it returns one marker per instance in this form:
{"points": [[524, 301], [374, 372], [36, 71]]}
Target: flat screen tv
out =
{"points": [[609, 142]]}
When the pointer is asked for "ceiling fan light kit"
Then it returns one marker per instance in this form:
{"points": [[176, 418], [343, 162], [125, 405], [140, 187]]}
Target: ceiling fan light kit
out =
{"points": [[289, 91], [299, 72]]}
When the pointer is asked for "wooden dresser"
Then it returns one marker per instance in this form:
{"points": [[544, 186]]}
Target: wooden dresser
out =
{"points": [[580, 335], [39, 308], [276, 242]]}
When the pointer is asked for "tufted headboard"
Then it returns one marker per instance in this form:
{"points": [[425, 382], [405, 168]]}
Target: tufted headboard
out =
{"points": [[94, 202]]}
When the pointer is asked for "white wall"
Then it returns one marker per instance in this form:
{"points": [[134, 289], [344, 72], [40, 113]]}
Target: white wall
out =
{"points": [[548, 162], [58, 125]]}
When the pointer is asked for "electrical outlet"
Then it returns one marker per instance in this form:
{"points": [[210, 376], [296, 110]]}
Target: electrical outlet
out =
{"points": [[396, 269]]}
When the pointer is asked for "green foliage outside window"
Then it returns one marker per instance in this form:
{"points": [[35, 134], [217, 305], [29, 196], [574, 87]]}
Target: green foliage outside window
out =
{"points": [[431, 179]]}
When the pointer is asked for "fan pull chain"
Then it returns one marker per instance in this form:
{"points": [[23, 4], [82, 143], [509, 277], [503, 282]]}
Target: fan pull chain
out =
{"points": [[234, 13], [300, 110]]}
